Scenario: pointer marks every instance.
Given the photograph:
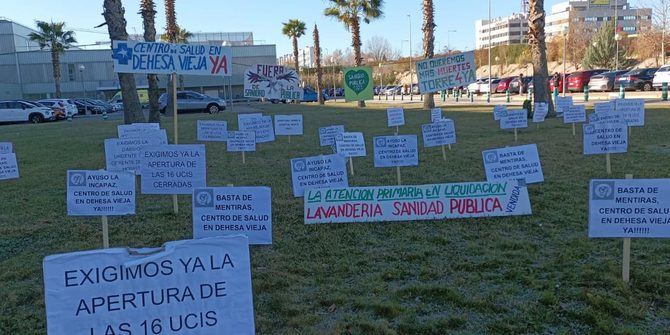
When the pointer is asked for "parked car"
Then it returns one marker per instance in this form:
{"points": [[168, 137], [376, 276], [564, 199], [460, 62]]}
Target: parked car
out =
{"points": [[580, 79], [193, 101], [516, 83], [552, 83], [58, 111], [661, 76], [104, 106], [639, 79], [310, 95], [143, 94], [604, 81], [503, 84], [397, 90], [484, 87], [476, 86], [84, 107], [21, 111], [67, 104]]}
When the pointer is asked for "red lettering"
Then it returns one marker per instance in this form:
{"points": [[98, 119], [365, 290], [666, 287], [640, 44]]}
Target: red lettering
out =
{"points": [[218, 64]]}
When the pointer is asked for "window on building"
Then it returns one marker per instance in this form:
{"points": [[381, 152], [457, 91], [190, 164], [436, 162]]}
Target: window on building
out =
{"points": [[70, 72], [628, 29], [630, 18]]}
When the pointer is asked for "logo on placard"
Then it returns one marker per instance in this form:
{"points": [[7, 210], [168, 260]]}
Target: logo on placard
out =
{"points": [[122, 53], [589, 129], [204, 198], [491, 157], [299, 165], [339, 137], [380, 142], [323, 130], [76, 178], [603, 190]]}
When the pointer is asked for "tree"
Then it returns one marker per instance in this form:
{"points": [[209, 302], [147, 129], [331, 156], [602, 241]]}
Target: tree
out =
{"points": [[148, 12], [350, 13], [319, 71], [579, 39], [294, 29], [602, 52], [116, 26], [53, 36], [379, 49], [170, 36], [536, 41], [661, 17], [647, 44], [428, 43], [181, 36]]}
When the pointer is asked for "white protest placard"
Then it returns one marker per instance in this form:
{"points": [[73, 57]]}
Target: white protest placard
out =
{"points": [[350, 144], [499, 111], [520, 162], [241, 141], [274, 82], [563, 104], [395, 117], [135, 129], [514, 118], [604, 107], [574, 114], [438, 133], [173, 168], [100, 192], [417, 202], [540, 111], [606, 133], [123, 154], [318, 172], [629, 208], [632, 110], [224, 211], [158, 134], [288, 125], [9, 168], [263, 127], [166, 58], [212, 131], [327, 134], [442, 73], [435, 114], [184, 288], [398, 151], [247, 116], [6, 148]]}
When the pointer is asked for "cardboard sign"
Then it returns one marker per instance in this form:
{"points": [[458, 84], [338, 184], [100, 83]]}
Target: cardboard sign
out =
{"points": [[350, 144], [441, 73], [247, 116], [435, 115], [438, 133], [185, 287], [633, 111], [166, 58], [135, 129], [273, 82], [124, 154], [574, 114], [396, 151], [318, 172], [9, 168], [287, 125], [225, 211], [606, 133], [173, 168], [416, 202], [520, 162], [327, 134], [563, 104], [212, 131], [358, 83], [540, 111], [514, 118], [99, 192], [157, 134], [395, 117], [6, 148], [241, 141], [263, 127], [499, 111], [629, 208], [604, 107]]}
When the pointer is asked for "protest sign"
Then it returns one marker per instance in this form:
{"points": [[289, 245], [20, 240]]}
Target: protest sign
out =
{"points": [[247, 116], [520, 162], [9, 168], [99, 192], [416, 202], [350, 144], [222, 211], [173, 168], [441, 73], [186, 287], [6, 148], [604, 107], [327, 134], [241, 141], [438, 133], [123, 154], [540, 111], [274, 82], [435, 114], [318, 172], [499, 111], [398, 151], [395, 116], [263, 127], [606, 133], [212, 131], [629, 208], [166, 58], [358, 83], [574, 114], [632, 110], [287, 125], [513, 119], [136, 130], [563, 104]]}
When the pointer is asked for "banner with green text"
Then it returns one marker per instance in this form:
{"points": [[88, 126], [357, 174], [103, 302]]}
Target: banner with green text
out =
{"points": [[358, 83]]}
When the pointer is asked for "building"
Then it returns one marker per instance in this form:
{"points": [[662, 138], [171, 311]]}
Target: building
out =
{"points": [[507, 30], [306, 58], [26, 72], [232, 39]]}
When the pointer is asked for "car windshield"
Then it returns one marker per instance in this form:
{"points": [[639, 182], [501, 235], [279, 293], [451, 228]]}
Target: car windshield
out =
{"points": [[633, 72]]}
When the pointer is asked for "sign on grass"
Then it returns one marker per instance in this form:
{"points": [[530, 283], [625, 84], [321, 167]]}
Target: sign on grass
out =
{"points": [[212, 131], [499, 111], [173, 168], [99, 192], [327, 134], [514, 118], [358, 83], [247, 116], [604, 107], [395, 116], [629, 208], [416, 202], [438, 74], [135, 129], [6, 148], [272, 82], [396, 151], [435, 115], [633, 111], [520, 162], [438, 133], [563, 104], [224, 211], [350, 144], [123, 154], [166, 58], [287, 125], [9, 168], [574, 114], [540, 111], [318, 172], [606, 133], [185, 287], [144, 133], [263, 127], [241, 141]]}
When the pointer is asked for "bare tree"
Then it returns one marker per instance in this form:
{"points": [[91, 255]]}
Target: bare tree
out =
{"points": [[661, 16], [579, 39], [379, 49]]}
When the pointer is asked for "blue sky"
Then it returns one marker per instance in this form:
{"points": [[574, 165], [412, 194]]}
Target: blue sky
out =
{"points": [[264, 18]]}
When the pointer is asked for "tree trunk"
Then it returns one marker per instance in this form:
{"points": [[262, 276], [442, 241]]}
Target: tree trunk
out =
{"points": [[149, 22], [116, 25], [55, 63], [296, 63], [319, 71], [356, 44], [428, 44], [536, 40]]}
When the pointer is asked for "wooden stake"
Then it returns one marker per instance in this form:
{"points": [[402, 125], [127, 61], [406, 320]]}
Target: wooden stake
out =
{"points": [[289, 139], [397, 130], [244, 160], [444, 154], [175, 204], [574, 132], [397, 171], [516, 136], [625, 266], [351, 165], [608, 163], [449, 146], [105, 232]]}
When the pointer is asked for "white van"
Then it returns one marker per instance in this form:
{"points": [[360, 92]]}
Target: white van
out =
{"points": [[19, 111], [662, 76]]}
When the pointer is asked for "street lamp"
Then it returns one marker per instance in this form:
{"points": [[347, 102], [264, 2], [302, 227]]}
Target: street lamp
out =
{"points": [[81, 76], [411, 73], [565, 40], [449, 31], [617, 38], [381, 78], [332, 65]]}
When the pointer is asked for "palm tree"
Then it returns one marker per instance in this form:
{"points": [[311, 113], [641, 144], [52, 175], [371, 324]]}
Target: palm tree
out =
{"points": [[351, 12], [148, 12], [428, 43], [181, 36], [317, 58], [171, 27], [294, 29], [52, 35], [116, 26], [538, 48]]}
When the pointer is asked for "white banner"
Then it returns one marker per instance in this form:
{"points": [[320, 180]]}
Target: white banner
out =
{"points": [[390, 151], [327, 134], [9, 168], [212, 131], [520, 162], [241, 141], [438, 133], [99, 192], [395, 117], [441, 73], [272, 82], [287, 125], [173, 169], [262, 126], [350, 144], [318, 172], [124, 154]]}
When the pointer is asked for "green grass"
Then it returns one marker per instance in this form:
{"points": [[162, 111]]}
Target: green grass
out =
{"points": [[534, 274]]}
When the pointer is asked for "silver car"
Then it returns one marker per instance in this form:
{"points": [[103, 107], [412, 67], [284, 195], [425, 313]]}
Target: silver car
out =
{"points": [[193, 101]]}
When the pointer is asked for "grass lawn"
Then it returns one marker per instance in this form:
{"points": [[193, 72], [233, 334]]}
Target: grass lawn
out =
{"points": [[536, 274]]}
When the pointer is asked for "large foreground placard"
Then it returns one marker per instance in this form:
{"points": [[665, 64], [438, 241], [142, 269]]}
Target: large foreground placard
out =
{"points": [[629, 208], [272, 82], [100, 192], [416, 202], [173, 168], [437, 74], [187, 287]]}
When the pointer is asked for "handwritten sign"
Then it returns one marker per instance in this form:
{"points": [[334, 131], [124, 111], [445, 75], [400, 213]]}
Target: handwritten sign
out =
{"points": [[318, 172], [247, 116], [396, 151], [563, 104], [327, 134], [438, 133], [135, 129], [287, 125], [605, 133], [540, 111], [239, 141], [395, 117], [224, 211], [629, 208], [350, 144], [520, 162], [186, 287], [99, 192], [6, 148], [263, 127], [499, 111], [173, 168], [515, 118], [441, 73], [123, 154], [212, 131], [9, 168], [416, 202], [633, 111], [435, 114], [272, 82], [604, 107], [165, 58], [574, 114]]}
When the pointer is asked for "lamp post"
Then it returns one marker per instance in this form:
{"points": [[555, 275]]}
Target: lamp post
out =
{"points": [[449, 31], [565, 40], [490, 25], [83, 86], [411, 73], [381, 79], [617, 38], [332, 66]]}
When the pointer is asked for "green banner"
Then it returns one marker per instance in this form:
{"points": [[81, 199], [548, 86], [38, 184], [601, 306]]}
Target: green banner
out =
{"points": [[358, 83]]}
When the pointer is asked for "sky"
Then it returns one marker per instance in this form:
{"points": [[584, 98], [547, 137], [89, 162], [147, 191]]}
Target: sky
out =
{"points": [[264, 18]]}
